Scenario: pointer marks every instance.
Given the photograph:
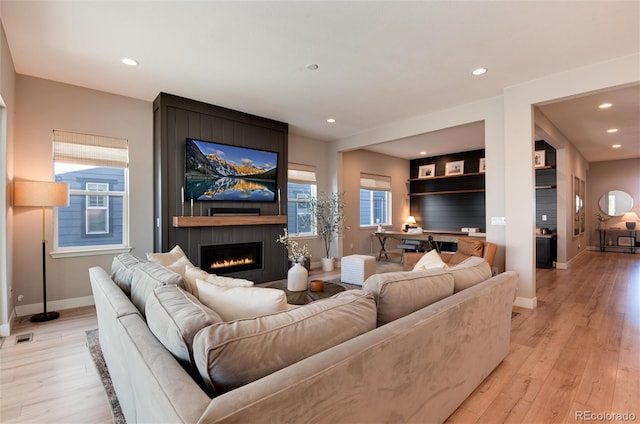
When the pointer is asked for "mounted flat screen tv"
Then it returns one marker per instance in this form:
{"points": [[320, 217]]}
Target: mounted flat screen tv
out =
{"points": [[216, 171]]}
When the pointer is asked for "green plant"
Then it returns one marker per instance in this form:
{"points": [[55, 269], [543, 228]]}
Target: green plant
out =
{"points": [[328, 213]]}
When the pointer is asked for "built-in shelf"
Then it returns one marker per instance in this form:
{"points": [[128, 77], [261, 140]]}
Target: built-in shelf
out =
{"points": [[222, 221], [468, 174], [430, 193]]}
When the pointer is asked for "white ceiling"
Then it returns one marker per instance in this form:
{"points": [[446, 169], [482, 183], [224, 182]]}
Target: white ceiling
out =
{"points": [[379, 62]]}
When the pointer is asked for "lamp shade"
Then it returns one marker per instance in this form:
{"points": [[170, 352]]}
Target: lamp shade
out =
{"points": [[630, 217], [411, 220], [40, 193]]}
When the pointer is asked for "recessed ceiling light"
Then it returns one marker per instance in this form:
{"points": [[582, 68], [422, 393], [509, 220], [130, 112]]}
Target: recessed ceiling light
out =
{"points": [[612, 130], [479, 71], [605, 105], [129, 61], [331, 120], [423, 153], [312, 66], [616, 146]]}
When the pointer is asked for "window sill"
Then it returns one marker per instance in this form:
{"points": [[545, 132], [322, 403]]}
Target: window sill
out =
{"points": [[72, 253]]}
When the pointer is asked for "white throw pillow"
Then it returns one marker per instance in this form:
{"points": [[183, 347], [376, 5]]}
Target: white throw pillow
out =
{"points": [[430, 260], [233, 303], [175, 260], [193, 273]]}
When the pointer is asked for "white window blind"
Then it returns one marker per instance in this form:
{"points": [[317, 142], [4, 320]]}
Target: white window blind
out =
{"points": [[375, 182], [299, 173], [93, 150]]}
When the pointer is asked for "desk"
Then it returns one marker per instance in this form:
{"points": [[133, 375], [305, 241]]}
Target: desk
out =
{"points": [[435, 236]]}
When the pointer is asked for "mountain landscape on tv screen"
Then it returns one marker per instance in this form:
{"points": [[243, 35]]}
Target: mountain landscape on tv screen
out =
{"points": [[222, 172]]}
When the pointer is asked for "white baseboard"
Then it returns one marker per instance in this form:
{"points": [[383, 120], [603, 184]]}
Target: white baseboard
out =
{"points": [[525, 302], [36, 308], [5, 329]]}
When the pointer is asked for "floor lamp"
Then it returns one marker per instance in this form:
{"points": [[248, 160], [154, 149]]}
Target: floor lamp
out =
{"points": [[42, 194]]}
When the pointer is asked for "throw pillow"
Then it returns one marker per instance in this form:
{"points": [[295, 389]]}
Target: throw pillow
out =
{"points": [[175, 259], [470, 247], [231, 354], [193, 273], [430, 260], [174, 317], [233, 303]]}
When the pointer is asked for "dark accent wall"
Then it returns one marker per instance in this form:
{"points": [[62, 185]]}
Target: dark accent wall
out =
{"points": [[460, 206], [175, 120], [546, 189]]}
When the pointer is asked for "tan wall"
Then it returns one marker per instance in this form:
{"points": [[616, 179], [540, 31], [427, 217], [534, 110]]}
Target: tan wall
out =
{"points": [[43, 106], [7, 107], [611, 175], [360, 240]]}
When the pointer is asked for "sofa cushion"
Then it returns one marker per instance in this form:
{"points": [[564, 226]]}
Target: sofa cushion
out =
{"points": [[430, 260], [231, 354], [400, 293], [193, 273], [122, 271], [146, 277], [233, 303], [175, 259], [466, 247], [470, 272], [175, 316]]}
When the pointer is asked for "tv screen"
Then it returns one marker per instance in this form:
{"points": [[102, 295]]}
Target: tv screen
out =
{"points": [[216, 171]]}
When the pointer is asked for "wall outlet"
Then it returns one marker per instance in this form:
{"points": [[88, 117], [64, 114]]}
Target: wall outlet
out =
{"points": [[544, 217]]}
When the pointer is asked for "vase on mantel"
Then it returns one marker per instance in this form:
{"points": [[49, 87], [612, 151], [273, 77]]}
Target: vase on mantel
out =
{"points": [[297, 278]]}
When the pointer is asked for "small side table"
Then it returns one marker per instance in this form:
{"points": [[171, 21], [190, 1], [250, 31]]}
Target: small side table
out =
{"points": [[305, 296]]}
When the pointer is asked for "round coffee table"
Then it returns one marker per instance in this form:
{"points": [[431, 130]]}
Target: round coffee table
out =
{"points": [[305, 296]]}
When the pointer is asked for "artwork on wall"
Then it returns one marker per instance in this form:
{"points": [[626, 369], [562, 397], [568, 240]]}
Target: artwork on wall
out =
{"points": [[427, 171], [539, 158], [454, 168], [483, 165], [579, 220]]}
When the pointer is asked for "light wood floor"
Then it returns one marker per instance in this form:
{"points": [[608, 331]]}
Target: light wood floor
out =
{"points": [[578, 351]]}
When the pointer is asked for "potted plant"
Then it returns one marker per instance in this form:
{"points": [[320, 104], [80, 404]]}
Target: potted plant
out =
{"points": [[295, 252], [328, 214]]}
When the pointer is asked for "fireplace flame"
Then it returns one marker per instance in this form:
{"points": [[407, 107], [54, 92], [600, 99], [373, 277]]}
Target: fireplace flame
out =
{"points": [[231, 262]]}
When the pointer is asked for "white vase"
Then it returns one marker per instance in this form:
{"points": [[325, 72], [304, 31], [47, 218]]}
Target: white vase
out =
{"points": [[297, 278], [327, 264]]}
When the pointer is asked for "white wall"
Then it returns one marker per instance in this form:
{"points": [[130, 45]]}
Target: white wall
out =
{"points": [[43, 106]]}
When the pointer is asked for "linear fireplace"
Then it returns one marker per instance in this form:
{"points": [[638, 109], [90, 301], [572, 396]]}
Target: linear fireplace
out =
{"points": [[228, 258]]}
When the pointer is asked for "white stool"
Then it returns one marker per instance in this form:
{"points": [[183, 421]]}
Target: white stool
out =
{"points": [[355, 269]]}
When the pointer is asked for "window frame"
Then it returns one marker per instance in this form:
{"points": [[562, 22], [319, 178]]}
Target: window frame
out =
{"points": [[99, 152], [305, 175], [373, 183]]}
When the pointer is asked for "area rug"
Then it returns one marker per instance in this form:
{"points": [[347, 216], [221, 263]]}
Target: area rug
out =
{"points": [[93, 343]]}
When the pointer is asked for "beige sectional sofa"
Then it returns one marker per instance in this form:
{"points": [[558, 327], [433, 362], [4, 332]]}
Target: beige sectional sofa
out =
{"points": [[408, 347]]}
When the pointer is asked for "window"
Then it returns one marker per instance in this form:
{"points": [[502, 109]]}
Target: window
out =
{"points": [[301, 188], [96, 169], [375, 200]]}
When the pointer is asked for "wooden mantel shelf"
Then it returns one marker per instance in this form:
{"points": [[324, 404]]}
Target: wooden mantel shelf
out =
{"points": [[221, 221]]}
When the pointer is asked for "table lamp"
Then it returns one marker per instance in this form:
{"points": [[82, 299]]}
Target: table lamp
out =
{"points": [[630, 218], [42, 194]]}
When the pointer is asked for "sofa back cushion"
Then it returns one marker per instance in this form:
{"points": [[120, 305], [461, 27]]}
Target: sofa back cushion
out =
{"points": [[231, 354], [241, 302], [470, 272], [122, 271], [146, 277], [400, 293], [174, 317]]}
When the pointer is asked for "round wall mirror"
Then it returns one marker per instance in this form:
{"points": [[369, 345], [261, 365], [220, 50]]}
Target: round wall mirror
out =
{"points": [[615, 202]]}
